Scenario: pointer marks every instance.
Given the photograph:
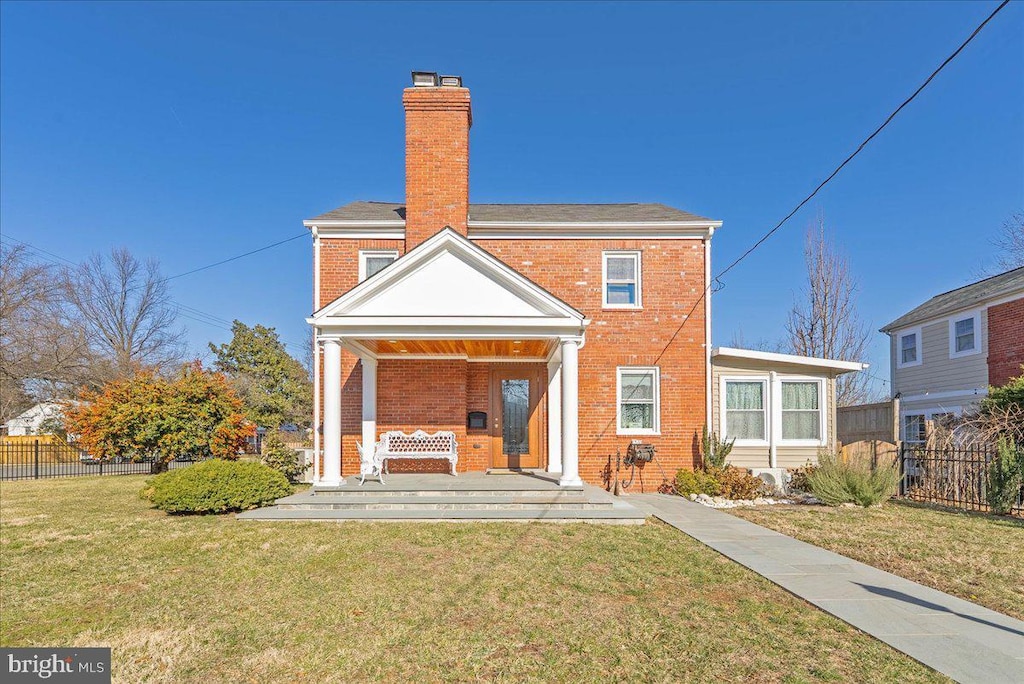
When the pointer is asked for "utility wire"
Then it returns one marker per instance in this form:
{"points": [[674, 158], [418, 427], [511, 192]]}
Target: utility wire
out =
{"points": [[867, 140], [716, 284], [184, 310], [240, 256]]}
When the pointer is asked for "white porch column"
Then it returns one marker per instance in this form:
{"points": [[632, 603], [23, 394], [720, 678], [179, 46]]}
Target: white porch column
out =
{"points": [[555, 416], [369, 402], [331, 476], [570, 415]]}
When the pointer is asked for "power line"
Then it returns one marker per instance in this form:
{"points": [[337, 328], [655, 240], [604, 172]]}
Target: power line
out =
{"points": [[237, 257], [867, 140], [716, 284], [184, 310]]}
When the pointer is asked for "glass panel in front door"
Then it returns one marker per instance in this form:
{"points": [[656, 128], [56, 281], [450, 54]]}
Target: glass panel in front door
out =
{"points": [[515, 417]]}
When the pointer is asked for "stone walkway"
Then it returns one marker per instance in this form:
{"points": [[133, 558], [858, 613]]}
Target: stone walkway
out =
{"points": [[959, 639]]}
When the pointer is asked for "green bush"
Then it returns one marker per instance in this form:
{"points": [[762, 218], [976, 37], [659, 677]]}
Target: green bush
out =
{"points": [[836, 482], [281, 457], [216, 486], [713, 449], [1005, 477], [696, 482], [737, 483]]}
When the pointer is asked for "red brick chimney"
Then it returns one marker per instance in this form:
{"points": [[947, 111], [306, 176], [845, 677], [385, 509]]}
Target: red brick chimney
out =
{"points": [[437, 120]]}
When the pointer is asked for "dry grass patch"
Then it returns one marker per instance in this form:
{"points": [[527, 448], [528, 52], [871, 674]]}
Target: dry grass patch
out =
{"points": [[976, 557], [213, 599]]}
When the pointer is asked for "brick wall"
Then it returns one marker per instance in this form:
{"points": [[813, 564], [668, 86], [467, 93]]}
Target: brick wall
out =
{"points": [[437, 122], [668, 332], [1005, 341]]}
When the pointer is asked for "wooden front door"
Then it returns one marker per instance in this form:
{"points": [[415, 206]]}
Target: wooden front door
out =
{"points": [[515, 418]]}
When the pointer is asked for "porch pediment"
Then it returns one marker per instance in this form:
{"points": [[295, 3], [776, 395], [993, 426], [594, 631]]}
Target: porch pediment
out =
{"points": [[447, 282]]}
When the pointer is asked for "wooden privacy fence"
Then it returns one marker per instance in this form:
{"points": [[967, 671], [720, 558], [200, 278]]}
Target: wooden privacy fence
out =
{"points": [[55, 449], [873, 451], [868, 422]]}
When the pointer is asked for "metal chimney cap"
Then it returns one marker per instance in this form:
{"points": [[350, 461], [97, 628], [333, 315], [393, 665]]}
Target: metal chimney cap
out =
{"points": [[424, 79], [451, 81]]}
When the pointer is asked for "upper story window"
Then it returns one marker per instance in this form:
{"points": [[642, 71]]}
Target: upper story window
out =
{"points": [[964, 335], [908, 350], [801, 410], [621, 276], [372, 262], [745, 415], [639, 401]]}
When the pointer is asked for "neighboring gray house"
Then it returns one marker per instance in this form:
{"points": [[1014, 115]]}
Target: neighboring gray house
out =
{"points": [[946, 353]]}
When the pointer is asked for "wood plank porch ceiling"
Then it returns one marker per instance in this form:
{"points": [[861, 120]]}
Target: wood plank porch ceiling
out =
{"points": [[469, 348]]}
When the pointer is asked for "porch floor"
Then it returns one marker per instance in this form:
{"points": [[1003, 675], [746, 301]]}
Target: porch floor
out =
{"points": [[510, 497]]}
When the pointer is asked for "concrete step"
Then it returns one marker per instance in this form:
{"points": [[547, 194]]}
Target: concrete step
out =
{"points": [[440, 503], [376, 489], [447, 497], [619, 514]]}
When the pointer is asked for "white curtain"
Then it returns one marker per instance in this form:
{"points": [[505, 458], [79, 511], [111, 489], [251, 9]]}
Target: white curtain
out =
{"points": [[800, 416], [744, 408]]}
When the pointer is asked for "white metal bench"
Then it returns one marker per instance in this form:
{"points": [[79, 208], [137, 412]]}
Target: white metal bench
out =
{"points": [[398, 445]]}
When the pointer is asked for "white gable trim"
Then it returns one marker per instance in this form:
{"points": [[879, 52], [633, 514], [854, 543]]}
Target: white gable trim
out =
{"points": [[528, 306]]}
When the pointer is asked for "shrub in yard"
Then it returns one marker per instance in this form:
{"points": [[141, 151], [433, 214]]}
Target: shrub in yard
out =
{"points": [[713, 449], [216, 486], [1005, 477], [281, 457], [737, 483], [696, 482], [798, 478], [836, 482]]}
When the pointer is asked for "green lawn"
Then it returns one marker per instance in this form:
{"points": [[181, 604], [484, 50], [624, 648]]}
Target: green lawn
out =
{"points": [[212, 599], [974, 556]]}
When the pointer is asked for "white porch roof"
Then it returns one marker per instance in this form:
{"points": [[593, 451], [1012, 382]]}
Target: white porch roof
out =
{"points": [[448, 288]]}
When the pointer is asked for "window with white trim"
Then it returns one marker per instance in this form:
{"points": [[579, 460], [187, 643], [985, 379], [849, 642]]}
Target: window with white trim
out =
{"points": [[802, 410], [621, 280], [746, 410], [964, 335], [639, 400], [914, 428], [908, 351], [372, 262]]}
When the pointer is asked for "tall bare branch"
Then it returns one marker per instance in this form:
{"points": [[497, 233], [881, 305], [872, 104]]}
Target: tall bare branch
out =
{"points": [[824, 321], [126, 312]]}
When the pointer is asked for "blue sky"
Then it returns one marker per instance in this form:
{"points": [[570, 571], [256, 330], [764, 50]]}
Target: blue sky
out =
{"points": [[192, 132]]}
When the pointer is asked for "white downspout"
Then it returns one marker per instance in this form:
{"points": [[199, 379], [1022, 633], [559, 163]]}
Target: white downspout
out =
{"points": [[707, 331], [774, 427]]}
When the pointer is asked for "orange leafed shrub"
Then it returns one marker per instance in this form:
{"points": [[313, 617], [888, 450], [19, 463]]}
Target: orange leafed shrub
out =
{"points": [[195, 414]]}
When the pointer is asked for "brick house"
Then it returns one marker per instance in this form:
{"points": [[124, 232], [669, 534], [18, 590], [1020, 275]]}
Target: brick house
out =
{"points": [[946, 352], [543, 335]]}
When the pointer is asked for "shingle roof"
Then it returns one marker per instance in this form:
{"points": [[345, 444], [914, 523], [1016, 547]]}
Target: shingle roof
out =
{"points": [[962, 298], [524, 213]]}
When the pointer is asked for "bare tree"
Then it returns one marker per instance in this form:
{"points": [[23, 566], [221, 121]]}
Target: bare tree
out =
{"points": [[126, 312], [1009, 244], [824, 321], [40, 357], [739, 341]]}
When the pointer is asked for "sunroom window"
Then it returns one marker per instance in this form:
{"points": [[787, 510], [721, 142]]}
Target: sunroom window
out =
{"points": [[745, 410], [801, 410]]}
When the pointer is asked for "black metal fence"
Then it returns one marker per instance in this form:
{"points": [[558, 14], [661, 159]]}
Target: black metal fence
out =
{"points": [[950, 477], [36, 460]]}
